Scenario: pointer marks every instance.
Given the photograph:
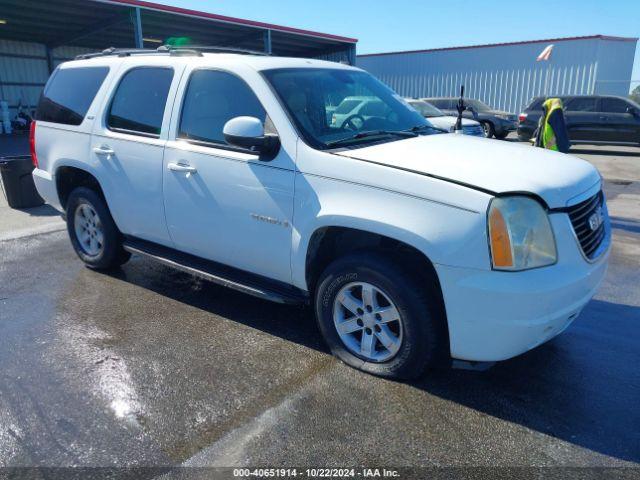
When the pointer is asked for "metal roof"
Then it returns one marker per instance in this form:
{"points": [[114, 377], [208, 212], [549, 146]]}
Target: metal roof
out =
{"points": [[104, 23], [506, 44]]}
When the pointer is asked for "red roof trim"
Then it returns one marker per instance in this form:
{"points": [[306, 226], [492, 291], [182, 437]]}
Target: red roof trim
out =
{"points": [[222, 18], [566, 39]]}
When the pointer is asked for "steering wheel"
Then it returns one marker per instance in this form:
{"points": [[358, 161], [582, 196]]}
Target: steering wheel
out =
{"points": [[354, 122]]}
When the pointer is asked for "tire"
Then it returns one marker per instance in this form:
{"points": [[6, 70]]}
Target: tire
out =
{"points": [[92, 231], [420, 333], [488, 129], [501, 136]]}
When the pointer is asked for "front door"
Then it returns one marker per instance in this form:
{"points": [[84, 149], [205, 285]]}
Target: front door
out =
{"points": [[619, 124], [222, 203]]}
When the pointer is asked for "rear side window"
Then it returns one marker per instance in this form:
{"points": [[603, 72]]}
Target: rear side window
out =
{"points": [[139, 102], [581, 104], [445, 104], [614, 105], [69, 94], [212, 99], [536, 104]]}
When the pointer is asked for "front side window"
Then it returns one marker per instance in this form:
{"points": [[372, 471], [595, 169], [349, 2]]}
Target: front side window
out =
{"points": [[614, 105], [313, 98], [69, 94], [581, 104], [211, 100], [139, 102]]}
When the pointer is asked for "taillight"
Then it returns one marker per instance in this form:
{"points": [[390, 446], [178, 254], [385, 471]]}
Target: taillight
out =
{"points": [[32, 144], [522, 117]]}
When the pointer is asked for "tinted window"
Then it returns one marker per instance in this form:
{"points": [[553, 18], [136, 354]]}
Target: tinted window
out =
{"points": [[614, 105], [69, 93], [446, 104], [536, 104], [581, 104], [212, 99], [138, 105]]}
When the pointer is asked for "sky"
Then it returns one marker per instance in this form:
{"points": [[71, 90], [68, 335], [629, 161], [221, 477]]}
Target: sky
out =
{"points": [[382, 26]]}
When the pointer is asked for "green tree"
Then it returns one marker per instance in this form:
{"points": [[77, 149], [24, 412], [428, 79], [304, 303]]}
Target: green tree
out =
{"points": [[635, 94]]}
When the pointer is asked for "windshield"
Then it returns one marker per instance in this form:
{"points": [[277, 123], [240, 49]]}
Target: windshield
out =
{"points": [[330, 106], [425, 109], [477, 105]]}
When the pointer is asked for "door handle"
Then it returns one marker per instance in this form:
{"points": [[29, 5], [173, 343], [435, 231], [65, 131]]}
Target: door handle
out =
{"points": [[180, 167], [103, 150]]}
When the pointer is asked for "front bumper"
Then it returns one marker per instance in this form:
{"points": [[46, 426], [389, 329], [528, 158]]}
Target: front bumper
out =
{"points": [[505, 126], [494, 315]]}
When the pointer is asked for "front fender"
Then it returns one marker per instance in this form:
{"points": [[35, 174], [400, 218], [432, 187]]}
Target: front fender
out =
{"points": [[446, 234]]}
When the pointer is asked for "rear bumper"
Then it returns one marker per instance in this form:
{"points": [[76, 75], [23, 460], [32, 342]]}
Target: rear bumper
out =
{"points": [[46, 186], [496, 315]]}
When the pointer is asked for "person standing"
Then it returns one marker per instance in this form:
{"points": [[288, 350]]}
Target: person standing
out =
{"points": [[552, 131]]}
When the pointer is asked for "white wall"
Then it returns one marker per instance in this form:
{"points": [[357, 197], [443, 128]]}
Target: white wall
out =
{"points": [[508, 76]]}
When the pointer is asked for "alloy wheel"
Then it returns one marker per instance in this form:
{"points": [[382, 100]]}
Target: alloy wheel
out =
{"points": [[367, 322]]}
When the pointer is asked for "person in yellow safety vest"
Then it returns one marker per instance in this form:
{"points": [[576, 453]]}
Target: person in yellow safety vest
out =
{"points": [[552, 131]]}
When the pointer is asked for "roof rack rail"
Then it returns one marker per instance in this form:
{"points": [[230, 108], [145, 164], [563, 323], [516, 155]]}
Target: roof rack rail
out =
{"points": [[211, 49], [195, 50]]}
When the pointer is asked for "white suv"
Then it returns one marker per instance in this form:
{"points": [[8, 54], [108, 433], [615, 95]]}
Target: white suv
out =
{"points": [[412, 244]]}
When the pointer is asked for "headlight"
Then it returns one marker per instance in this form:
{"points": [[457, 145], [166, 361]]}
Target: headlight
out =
{"points": [[520, 235], [503, 117]]}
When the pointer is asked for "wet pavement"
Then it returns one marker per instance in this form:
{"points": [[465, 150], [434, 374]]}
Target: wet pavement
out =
{"points": [[148, 366]]}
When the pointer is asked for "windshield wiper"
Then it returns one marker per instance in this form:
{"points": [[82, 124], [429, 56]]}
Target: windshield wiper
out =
{"points": [[373, 133], [419, 128]]}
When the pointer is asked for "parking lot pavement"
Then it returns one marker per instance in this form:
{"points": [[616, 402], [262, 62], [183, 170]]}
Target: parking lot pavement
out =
{"points": [[149, 366]]}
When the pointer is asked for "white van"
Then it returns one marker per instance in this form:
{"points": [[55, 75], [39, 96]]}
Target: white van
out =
{"points": [[414, 246]]}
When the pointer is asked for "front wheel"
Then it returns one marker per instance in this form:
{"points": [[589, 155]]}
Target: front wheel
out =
{"points": [[378, 318], [501, 136], [92, 231]]}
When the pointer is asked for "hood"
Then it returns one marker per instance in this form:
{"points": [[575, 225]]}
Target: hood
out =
{"points": [[447, 121], [497, 167]]}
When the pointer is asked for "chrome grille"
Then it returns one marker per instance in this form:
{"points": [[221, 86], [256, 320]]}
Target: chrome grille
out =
{"points": [[584, 217], [475, 130]]}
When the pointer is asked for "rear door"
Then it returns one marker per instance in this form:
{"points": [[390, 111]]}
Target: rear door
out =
{"points": [[128, 145], [583, 120], [618, 124]]}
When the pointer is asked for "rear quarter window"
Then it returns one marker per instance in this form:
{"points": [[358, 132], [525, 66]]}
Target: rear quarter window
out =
{"points": [[536, 104], [69, 93]]}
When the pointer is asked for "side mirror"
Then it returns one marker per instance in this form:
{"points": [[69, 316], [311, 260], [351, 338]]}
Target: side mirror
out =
{"points": [[248, 133], [632, 111]]}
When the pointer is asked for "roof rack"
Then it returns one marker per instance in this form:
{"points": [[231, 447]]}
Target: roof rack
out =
{"points": [[211, 49], [191, 50]]}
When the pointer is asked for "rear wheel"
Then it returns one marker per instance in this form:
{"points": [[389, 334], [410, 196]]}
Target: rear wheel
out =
{"points": [[487, 128], [379, 318], [92, 231]]}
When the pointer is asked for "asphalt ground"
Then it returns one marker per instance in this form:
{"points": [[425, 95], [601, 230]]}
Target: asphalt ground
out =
{"points": [[150, 367]]}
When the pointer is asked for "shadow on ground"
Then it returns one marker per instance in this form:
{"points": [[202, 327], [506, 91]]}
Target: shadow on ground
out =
{"points": [[582, 387]]}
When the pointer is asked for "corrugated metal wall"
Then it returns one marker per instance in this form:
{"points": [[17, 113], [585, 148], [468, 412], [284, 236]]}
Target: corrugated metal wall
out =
{"points": [[508, 76], [24, 71]]}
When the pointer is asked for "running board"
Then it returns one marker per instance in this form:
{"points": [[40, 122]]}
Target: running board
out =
{"points": [[224, 275]]}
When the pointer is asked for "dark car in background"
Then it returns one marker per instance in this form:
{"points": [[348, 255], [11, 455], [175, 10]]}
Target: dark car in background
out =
{"points": [[495, 123], [596, 119]]}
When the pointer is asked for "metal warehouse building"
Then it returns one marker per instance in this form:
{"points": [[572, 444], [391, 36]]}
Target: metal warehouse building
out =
{"points": [[36, 35], [507, 75]]}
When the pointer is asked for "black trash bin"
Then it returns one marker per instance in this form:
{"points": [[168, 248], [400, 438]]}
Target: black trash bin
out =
{"points": [[18, 183]]}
